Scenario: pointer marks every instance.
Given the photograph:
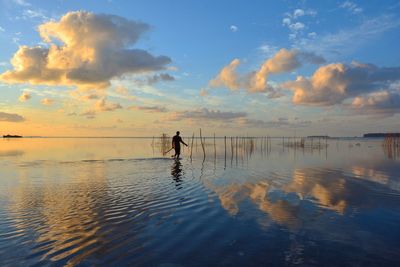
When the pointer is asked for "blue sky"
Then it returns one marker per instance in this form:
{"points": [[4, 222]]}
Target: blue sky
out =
{"points": [[200, 39]]}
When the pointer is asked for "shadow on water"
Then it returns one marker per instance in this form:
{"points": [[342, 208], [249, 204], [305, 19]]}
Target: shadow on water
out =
{"points": [[176, 172]]}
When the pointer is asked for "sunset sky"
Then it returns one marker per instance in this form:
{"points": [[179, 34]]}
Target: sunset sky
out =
{"points": [[140, 68]]}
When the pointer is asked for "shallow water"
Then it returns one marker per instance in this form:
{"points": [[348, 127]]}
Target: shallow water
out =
{"points": [[119, 201]]}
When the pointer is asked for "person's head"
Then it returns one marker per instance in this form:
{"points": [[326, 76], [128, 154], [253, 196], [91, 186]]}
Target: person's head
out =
{"points": [[177, 133]]}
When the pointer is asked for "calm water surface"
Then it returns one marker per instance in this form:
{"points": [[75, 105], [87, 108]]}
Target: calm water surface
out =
{"points": [[116, 202]]}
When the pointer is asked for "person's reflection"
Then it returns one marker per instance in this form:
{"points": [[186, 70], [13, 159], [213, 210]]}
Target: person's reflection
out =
{"points": [[176, 172]]}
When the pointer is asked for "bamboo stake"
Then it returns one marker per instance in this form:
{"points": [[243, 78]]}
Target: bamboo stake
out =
{"points": [[202, 145], [225, 150], [191, 148], [215, 148]]}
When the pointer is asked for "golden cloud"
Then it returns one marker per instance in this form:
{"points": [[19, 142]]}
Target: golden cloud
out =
{"points": [[333, 83], [227, 77], [86, 50], [283, 61], [24, 97], [47, 101]]}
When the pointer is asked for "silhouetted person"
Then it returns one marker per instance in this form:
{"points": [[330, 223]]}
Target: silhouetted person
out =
{"points": [[176, 144]]}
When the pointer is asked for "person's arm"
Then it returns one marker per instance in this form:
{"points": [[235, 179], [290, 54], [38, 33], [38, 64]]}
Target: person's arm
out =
{"points": [[183, 142]]}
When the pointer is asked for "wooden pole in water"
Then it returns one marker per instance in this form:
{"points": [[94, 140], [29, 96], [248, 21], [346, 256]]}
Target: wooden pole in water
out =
{"points": [[225, 149], [191, 148], [215, 148], [236, 150], [225, 145], [202, 145]]}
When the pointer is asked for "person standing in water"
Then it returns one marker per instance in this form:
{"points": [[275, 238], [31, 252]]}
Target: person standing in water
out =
{"points": [[176, 144]]}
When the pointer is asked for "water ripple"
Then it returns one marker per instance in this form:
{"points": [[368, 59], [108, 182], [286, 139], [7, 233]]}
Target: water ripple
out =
{"points": [[161, 212]]}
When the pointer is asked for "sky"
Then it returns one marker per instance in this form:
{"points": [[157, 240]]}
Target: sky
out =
{"points": [[142, 68]]}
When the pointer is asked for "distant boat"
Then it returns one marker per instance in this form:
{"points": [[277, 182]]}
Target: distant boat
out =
{"points": [[12, 136]]}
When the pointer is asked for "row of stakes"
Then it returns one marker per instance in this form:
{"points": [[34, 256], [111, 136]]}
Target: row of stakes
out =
{"points": [[244, 144]]}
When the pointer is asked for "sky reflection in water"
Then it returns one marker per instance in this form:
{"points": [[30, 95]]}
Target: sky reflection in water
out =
{"points": [[119, 201]]}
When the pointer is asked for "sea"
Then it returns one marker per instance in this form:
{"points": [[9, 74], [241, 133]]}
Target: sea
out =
{"points": [[239, 202]]}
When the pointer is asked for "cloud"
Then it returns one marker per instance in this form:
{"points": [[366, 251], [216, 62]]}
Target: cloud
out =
{"points": [[381, 103], [90, 114], [298, 13], [30, 14], [22, 3], [283, 61], [206, 114], [268, 50], [160, 77], [278, 123], [227, 77], [122, 92], [11, 117], [2, 29], [103, 105], [85, 50], [296, 27], [333, 83], [151, 109], [233, 28], [24, 97], [203, 92], [47, 101], [352, 7], [89, 97], [347, 40]]}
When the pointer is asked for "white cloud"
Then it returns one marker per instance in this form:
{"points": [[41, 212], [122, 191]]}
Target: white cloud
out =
{"points": [[94, 49], [348, 40], [312, 34], [268, 50], [22, 3], [352, 7], [297, 26], [233, 28], [291, 20], [286, 21], [34, 13], [298, 13]]}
